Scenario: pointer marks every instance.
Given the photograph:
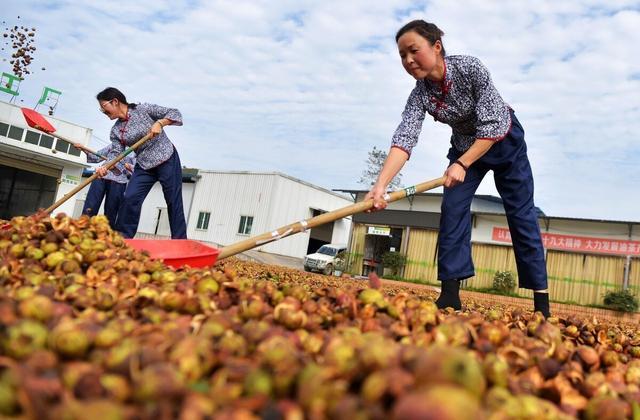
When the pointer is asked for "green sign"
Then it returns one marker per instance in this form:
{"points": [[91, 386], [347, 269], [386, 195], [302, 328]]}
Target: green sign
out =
{"points": [[6, 84], [49, 92], [70, 179]]}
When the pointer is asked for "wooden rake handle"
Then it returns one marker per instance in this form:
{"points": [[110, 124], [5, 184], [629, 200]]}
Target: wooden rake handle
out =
{"points": [[87, 150], [331, 216], [107, 165], [71, 142]]}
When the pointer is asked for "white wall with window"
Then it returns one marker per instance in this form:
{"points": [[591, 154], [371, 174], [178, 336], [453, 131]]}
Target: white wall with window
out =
{"points": [[246, 222], [229, 206], [37, 169], [203, 220]]}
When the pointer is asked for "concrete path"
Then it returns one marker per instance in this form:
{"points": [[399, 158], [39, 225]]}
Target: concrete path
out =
{"points": [[272, 259]]}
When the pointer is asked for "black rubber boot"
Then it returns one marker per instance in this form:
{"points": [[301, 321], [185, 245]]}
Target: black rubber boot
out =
{"points": [[541, 303], [449, 295]]}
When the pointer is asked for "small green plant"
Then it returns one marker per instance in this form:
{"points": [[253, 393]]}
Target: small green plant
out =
{"points": [[394, 261], [503, 282], [621, 300]]}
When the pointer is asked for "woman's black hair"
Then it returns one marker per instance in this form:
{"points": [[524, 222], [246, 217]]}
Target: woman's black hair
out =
{"points": [[425, 29], [112, 93]]}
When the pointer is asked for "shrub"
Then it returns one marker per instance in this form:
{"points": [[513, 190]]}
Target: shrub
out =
{"points": [[621, 300], [394, 260], [503, 282]]}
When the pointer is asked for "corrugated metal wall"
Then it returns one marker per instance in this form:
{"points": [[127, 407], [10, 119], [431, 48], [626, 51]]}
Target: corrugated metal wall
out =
{"points": [[583, 278], [289, 202], [357, 248], [421, 252], [572, 277], [562, 269], [155, 201], [271, 199], [634, 275], [292, 201], [579, 278], [487, 259], [228, 196]]}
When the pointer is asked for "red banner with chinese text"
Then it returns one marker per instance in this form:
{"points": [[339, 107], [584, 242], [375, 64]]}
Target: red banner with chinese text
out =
{"points": [[577, 243]]}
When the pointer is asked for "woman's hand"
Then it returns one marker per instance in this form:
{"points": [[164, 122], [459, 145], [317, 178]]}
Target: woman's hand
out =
{"points": [[455, 175], [128, 167], [78, 146], [101, 171], [156, 129], [377, 194]]}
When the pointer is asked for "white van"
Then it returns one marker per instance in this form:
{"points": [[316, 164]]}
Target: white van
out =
{"points": [[324, 258]]}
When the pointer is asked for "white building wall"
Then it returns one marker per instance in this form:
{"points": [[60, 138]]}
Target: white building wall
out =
{"points": [[478, 205], [341, 231], [70, 166], [227, 196], [588, 228], [484, 225], [293, 201], [153, 203], [71, 177], [12, 114], [272, 199]]}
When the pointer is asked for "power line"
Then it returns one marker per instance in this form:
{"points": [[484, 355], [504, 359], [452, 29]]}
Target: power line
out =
{"points": [[100, 140]]}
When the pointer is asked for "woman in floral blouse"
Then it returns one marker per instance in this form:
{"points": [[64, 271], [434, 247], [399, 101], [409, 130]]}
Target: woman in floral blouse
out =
{"points": [[486, 135], [110, 187], [157, 159]]}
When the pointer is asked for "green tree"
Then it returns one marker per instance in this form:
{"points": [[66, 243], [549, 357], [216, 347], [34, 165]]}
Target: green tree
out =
{"points": [[374, 163]]}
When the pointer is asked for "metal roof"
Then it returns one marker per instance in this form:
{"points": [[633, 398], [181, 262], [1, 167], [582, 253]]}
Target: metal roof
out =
{"points": [[498, 200], [276, 173]]}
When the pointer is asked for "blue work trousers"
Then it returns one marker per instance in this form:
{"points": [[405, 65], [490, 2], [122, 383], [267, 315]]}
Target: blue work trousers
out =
{"points": [[514, 181], [169, 174], [98, 190]]}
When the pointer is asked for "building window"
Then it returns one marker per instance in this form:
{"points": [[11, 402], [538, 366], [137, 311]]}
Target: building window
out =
{"points": [[32, 137], [245, 225], [15, 133], [203, 220], [62, 146], [73, 150], [4, 129], [46, 141]]}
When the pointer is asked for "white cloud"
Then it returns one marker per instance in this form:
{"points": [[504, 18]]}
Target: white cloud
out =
{"points": [[308, 88]]}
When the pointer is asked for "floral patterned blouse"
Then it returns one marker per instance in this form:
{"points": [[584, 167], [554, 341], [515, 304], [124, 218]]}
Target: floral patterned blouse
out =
{"points": [[465, 99], [127, 132], [118, 173]]}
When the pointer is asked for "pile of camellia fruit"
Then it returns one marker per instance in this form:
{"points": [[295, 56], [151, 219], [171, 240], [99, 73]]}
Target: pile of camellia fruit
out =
{"points": [[91, 329]]}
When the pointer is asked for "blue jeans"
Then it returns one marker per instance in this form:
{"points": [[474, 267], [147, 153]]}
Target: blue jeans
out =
{"points": [[99, 188], [514, 181], [169, 174]]}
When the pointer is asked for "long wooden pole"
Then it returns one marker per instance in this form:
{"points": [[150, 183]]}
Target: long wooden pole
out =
{"points": [[331, 216], [107, 165], [39, 122]]}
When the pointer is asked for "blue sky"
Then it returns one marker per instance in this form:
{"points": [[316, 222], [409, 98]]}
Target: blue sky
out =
{"points": [[309, 87]]}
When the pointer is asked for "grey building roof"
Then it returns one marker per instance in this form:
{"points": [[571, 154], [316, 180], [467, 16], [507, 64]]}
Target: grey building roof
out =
{"points": [[477, 207]]}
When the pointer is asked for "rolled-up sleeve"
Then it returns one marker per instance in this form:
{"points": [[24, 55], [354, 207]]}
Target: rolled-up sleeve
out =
{"points": [[158, 112], [92, 158], [492, 114], [407, 133]]}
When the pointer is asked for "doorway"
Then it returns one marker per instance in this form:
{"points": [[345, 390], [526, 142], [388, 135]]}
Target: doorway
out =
{"points": [[320, 235], [378, 241], [23, 192], [162, 223]]}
